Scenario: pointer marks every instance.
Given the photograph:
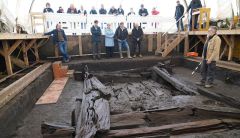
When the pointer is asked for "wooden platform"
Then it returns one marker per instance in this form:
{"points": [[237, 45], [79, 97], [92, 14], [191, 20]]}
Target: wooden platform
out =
{"points": [[24, 42], [220, 32]]}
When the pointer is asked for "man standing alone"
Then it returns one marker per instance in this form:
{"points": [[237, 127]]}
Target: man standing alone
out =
{"points": [[210, 55], [60, 39], [178, 15], [96, 34]]}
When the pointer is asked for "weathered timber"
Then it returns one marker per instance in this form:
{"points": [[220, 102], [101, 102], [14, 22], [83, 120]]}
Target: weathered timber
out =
{"points": [[163, 73], [174, 129], [50, 130], [95, 113]]}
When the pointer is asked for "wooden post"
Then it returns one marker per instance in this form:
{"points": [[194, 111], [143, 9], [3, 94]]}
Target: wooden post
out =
{"points": [[25, 56], [166, 41], [186, 44], [36, 52], [231, 47], [80, 45], [159, 41], [56, 51], [150, 43], [7, 57]]}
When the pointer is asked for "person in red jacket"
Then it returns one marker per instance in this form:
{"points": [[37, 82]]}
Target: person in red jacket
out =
{"points": [[154, 11]]}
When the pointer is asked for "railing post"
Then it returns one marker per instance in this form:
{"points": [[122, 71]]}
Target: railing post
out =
{"points": [[166, 41]]}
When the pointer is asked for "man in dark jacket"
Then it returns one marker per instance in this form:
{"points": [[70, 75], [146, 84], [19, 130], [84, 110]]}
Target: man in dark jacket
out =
{"points": [[93, 10], [195, 4], [113, 11], [120, 10], [96, 34], [72, 9], [178, 15], [60, 10], [121, 35], [102, 10], [48, 8], [143, 11], [137, 36], [59, 38]]}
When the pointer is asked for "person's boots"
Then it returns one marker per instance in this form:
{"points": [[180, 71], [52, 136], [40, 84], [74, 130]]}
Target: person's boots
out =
{"points": [[121, 56], [134, 56], [128, 53], [140, 55]]}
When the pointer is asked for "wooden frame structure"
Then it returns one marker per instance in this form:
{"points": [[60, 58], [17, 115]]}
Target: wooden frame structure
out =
{"points": [[24, 42]]}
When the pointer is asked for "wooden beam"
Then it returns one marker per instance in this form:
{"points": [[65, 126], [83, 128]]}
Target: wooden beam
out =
{"points": [[227, 40], [30, 44], [36, 54], [25, 55], [13, 89], [186, 44], [14, 46], [7, 57], [80, 45], [150, 43], [159, 41], [13, 36], [201, 39], [230, 54], [18, 62]]}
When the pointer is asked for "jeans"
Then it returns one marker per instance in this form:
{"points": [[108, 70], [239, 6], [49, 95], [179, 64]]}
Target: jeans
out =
{"points": [[136, 47], [181, 24], [123, 43], [63, 49], [109, 51], [96, 50], [208, 72]]}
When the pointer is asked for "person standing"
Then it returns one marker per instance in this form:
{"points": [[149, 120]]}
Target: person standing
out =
{"points": [[121, 35], [120, 10], [82, 11], [137, 36], [113, 11], [154, 11], [102, 10], [72, 9], [143, 11], [179, 15], [109, 41], [60, 10], [48, 8], [93, 10], [96, 34], [195, 4], [210, 56], [60, 39], [131, 12]]}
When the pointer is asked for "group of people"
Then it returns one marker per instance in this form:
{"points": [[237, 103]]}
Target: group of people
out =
{"points": [[112, 11], [121, 35]]}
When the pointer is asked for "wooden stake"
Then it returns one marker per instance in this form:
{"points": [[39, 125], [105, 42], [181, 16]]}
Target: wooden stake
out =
{"points": [[80, 45]]}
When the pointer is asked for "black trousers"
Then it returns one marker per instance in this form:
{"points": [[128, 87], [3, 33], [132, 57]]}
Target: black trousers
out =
{"points": [[136, 47], [208, 71], [109, 51]]}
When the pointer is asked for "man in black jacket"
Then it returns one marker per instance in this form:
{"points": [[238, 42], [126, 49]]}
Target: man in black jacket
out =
{"points": [[121, 35], [113, 11], [120, 10], [59, 38], [82, 11], [143, 11], [178, 14], [195, 4], [137, 36], [102, 10], [96, 34]]}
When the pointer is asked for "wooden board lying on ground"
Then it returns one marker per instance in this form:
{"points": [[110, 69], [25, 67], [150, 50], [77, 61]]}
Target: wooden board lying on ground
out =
{"points": [[174, 129]]}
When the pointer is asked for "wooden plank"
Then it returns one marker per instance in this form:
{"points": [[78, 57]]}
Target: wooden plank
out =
{"points": [[80, 45], [18, 62], [30, 44], [36, 53], [186, 45], [220, 32], [174, 129], [15, 88], [159, 41], [13, 36], [7, 57], [229, 43], [230, 54], [150, 43], [201, 39]]}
